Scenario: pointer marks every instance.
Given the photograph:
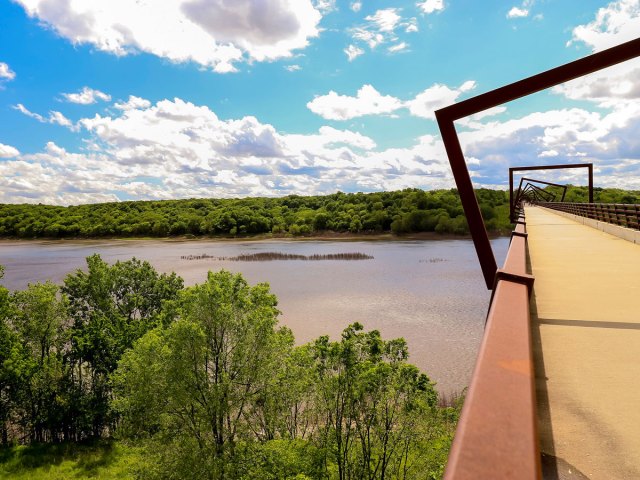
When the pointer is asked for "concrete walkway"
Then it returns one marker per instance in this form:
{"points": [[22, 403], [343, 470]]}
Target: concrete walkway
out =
{"points": [[586, 330]]}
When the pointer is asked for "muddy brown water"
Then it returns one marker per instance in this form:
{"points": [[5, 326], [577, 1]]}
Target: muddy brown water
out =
{"points": [[430, 292]]}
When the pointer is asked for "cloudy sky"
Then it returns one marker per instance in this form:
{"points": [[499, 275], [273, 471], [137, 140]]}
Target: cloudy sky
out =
{"points": [[142, 99]]}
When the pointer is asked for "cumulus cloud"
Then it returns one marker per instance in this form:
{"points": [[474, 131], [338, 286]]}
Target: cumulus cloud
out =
{"points": [[87, 96], [188, 151], [5, 72], [213, 33], [523, 10], [616, 23], [7, 151], [435, 97], [133, 103], [356, 6], [292, 68], [572, 135], [516, 12], [368, 101], [353, 52], [385, 20], [325, 6], [430, 6]]}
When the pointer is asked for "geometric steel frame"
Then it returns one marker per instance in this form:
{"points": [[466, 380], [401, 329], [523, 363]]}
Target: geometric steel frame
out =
{"points": [[512, 203], [530, 185], [515, 202], [535, 193], [448, 115]]}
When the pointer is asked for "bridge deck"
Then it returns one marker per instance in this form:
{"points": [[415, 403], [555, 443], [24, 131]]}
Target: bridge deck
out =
{"points": [[586, 332]]}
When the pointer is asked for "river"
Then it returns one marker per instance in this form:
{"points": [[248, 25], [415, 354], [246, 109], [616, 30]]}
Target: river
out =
{"points": [[430, 292]]}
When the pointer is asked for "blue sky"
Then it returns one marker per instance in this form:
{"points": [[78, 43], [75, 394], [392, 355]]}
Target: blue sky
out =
{"points": [[103, 101]]}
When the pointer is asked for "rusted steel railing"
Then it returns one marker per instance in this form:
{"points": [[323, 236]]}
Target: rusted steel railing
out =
{"points": [[497, 434], [622, 214]]}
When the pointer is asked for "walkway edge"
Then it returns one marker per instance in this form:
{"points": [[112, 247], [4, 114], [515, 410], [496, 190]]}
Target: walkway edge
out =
{"points": [[497, 434]]}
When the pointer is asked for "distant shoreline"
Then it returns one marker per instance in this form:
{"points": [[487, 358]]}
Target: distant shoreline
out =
{"points": [[320, 236]]}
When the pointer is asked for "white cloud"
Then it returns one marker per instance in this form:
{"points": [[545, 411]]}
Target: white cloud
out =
{"points": [[54, 117], [353, 52], [609, 140], [386, 20], [356, 6], [516, 12], [292, 68], [213, 33], [608, 88], [616, 23], [325, 6], [383, 27], [411, 25], [87, 96], [398, 47], [59, 119], [368, 101], [22, 109], [189, 152], [5, 72], [430, 6], [435, 97], [7, 151], [133, 103]]}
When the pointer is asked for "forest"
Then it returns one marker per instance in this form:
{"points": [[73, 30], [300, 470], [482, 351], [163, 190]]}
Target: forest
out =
{"points": [[155, 380], [399, 212], [405, 211]]}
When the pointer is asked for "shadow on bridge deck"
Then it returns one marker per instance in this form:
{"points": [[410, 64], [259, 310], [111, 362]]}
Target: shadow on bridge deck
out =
{"points": [[585, 318]]}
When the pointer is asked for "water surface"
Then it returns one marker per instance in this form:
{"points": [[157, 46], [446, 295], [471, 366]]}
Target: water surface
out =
{"points": [[430, 292]]}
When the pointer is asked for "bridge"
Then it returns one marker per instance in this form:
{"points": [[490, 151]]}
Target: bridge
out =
{"points": [[555, 391]]}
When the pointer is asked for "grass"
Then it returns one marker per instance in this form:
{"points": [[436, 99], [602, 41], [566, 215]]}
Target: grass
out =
{"points": [[62, 461]]}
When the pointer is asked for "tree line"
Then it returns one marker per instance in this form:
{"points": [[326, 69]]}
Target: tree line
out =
{"points": [[207, 381], [405, 211]]}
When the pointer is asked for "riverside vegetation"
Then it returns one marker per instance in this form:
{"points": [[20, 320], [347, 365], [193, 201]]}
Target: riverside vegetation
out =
{"points": [[405, 211], [122, 372], [400, 212]]}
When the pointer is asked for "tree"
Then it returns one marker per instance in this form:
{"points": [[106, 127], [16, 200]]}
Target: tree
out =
{"points": [[213, 366], [372, 401], [39, 316], [111, 307]]}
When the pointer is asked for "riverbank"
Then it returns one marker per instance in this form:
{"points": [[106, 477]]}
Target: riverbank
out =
{"points": [[328, 236]]}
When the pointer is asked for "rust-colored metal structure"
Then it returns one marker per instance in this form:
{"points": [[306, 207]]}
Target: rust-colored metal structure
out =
{"points": [[497, 435], [448, 115], [512, 170], [514, 202]]}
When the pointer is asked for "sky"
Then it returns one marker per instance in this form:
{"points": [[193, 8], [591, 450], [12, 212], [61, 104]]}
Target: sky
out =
{"points": [[140, 99]]}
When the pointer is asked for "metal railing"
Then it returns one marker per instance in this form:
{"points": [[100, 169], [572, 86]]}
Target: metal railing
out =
{"points": [[497, 433], [622, 214]]}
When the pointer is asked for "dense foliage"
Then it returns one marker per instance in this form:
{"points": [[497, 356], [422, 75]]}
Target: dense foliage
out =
{"points": [[403, 211], [406, 211], [205, 384]]}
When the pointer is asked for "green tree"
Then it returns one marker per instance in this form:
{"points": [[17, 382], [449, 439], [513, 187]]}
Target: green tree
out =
{"points": [[372, 401], [111, 307], [38, 316], [214, 365]]}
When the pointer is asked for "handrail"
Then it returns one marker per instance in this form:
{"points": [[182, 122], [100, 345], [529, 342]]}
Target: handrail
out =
{"points": [[622, 214], [497, 433]]}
